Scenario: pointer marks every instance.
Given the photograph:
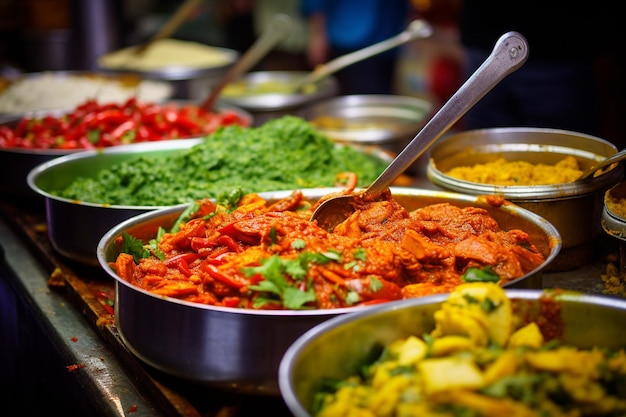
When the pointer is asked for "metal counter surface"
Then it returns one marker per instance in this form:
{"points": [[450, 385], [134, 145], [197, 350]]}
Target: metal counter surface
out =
{"points": [[60, 295], [104, 380]]}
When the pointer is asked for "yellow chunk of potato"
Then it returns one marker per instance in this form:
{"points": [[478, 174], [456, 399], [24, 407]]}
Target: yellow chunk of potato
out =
{"points": [[454, 322], [567, 360], [475, 306], [529, 335], [447, 345], [413, 350], [506, 364], [441, 374]]}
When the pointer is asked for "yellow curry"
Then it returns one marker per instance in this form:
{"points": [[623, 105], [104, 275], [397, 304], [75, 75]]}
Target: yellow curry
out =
{"points": [[503, 172], [479, 362]]}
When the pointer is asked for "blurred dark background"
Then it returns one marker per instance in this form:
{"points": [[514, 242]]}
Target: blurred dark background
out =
{"points": [[44, 35]]}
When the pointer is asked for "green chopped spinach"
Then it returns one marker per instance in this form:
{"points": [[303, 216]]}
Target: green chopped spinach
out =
{"points": [[282, 154]]}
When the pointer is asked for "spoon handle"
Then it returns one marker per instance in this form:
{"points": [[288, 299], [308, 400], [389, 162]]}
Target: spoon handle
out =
{"points": [[417, 29], [181, 14], [509, 54], [276, 32]]}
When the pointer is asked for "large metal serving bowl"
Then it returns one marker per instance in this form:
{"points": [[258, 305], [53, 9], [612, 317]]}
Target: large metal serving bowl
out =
{"points": [[574, 208], [277, 103], [189, 82], [340, 346], [240, 349], [389, 121], [75, 227], [64, 90], [16, 163]]}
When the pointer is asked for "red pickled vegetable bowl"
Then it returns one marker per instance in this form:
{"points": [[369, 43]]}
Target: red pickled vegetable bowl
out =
{"points": [[37, 137]]}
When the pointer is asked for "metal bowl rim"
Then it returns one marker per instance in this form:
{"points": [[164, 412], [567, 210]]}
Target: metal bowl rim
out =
{"points": [[291, 354], [179, 72], [108, 237], [409, 126], [134, 148], [518, 193], [280, 101]]}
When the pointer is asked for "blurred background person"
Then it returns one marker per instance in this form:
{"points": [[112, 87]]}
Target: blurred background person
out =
{"points": [[561, 84], [338, 27]]}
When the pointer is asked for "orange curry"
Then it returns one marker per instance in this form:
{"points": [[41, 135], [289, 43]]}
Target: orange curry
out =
{"points": [[271, 256]]}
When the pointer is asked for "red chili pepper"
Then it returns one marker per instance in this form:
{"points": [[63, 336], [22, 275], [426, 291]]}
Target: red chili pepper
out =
{"points": [[216, 256], [116, 124], [183, 267], [75, 367], [187, 257], [120, 130], [109, 309], [198, 243], [230, 243], [231, 301], [215, 274]]}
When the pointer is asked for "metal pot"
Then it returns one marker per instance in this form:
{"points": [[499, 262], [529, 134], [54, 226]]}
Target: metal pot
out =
{"points": [[574, 208], [16, 163], [269, 104], [189, 82], [240, 349], [75, 227], [388, 121], [340, 346]]}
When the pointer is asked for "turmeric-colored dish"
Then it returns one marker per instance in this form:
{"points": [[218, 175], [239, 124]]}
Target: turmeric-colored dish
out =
{"points": [[482, 360], [503, 172]]}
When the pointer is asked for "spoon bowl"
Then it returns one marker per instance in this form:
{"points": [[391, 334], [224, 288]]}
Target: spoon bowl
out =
{"points": [[589, 172], [509, 53]]}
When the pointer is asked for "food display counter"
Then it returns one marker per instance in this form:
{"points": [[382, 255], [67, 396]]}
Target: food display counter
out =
{"points": [[64, 309]]}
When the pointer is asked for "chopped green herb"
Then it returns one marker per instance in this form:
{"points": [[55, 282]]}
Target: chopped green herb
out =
{"points": [[360, 254], [480, 275], [298, 244], [283, 154], [352, 297], [273, 270], [134, 246], [375, 284], [230, 198]]}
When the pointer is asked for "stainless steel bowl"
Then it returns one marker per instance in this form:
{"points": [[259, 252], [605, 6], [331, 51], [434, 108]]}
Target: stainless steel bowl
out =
{"points": [[613, 218], [389, 121], [240, 349], [16, 163], [338, 347], [574, 208], [271, 105], [189, 83], [75, 227], [63, 90]]}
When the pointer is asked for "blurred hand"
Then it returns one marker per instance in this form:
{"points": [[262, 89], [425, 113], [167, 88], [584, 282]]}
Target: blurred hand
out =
{"points": [[318, 47]]}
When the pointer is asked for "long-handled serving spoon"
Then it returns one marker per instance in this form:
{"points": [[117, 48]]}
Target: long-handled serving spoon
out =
{"points": [[509, 54], [276, 32], [617, 157], [170, 26], [417, 29]]}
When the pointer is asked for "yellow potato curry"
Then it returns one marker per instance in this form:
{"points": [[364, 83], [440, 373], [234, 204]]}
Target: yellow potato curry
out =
{"points": [[479, 361], [503, 172]]}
